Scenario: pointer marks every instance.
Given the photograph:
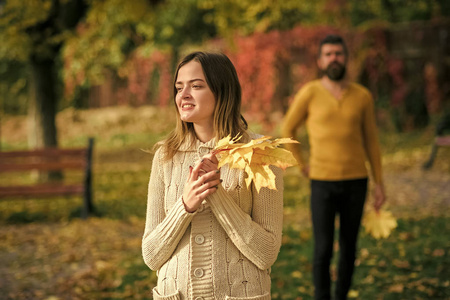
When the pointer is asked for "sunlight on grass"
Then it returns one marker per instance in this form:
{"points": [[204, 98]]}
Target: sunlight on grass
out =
{"points": [[44, 241]]}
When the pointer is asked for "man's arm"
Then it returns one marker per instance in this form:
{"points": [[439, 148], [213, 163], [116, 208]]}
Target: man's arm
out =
{"points": [[373, 153], [295, 117]]}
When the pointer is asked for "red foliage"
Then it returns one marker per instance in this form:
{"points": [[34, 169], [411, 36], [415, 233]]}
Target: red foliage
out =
{"points": [[259, 60], [132, 85], [432, 91], [139, 71], [272, 67], [255, 63], [395, 69]]}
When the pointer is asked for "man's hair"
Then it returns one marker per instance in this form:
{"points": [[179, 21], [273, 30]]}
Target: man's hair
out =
{"points": [[335, 40]]}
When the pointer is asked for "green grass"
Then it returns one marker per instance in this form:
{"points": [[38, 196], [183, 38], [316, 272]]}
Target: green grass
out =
{"points": [[413, 263], [101, 257]]}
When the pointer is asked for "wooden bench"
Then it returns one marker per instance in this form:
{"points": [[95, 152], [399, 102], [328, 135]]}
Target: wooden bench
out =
{"points": [[439, 141], [50, 159]]}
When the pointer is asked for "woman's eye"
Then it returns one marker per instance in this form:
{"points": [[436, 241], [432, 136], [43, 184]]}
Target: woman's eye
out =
{"points": [[196, 86]]}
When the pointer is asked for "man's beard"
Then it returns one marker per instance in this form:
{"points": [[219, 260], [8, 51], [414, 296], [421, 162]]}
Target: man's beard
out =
{"points": [[335, 71]]}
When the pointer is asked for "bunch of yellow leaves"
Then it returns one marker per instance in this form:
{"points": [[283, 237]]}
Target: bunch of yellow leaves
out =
{"points": [[255, 157], [379, 224]]}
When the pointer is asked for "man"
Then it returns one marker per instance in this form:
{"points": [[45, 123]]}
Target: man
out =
{"points": [[339, 116]]}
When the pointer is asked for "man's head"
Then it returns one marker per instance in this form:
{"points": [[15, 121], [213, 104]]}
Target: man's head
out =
{"points": [[332, 57]]}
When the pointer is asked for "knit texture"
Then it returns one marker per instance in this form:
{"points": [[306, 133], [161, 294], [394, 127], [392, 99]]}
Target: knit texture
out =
{"points": [[225, 249], [342, 133]]}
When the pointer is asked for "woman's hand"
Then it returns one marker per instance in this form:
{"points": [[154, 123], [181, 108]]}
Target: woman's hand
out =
{"points": [[209, 163], [203, 180]]}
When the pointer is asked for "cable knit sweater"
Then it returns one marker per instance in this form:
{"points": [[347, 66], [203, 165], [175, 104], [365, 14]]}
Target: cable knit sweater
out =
{"points": [[225, 249]]}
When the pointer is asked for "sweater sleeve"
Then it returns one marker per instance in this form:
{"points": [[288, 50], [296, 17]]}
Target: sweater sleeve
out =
{"points": [[257, 236], [295, 117], [371, 140], [162, 231]]}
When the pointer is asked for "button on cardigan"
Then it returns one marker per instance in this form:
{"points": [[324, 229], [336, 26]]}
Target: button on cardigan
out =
{"points": [[225, 249]]}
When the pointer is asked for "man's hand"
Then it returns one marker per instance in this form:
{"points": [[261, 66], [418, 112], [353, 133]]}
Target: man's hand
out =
{"points": [[379, 196]]}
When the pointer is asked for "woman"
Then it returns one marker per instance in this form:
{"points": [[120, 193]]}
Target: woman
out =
{"points": [[207, 235]]}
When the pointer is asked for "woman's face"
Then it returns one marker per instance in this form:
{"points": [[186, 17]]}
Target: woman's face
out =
{"points": [[195, 101]]}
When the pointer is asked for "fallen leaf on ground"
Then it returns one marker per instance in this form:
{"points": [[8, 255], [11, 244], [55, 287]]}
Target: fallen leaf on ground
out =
{"points": [[402, 264], [438, 252], [353, 294], [396, 288]]}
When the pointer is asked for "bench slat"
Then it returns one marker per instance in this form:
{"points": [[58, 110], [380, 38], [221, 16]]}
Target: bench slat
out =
{"points": [[50, 159], [39, 191], [42, 166], [442, 140], [47, 152]]}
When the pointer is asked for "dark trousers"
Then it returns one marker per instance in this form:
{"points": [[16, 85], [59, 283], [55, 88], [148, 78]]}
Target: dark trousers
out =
{"points": [[329, 198]]}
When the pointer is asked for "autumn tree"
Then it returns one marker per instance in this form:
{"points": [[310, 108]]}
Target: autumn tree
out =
{"points": [[32, 33], [97, 38], [117, 33]]}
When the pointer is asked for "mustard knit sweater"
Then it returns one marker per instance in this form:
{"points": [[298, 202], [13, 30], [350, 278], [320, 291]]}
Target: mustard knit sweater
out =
{"points": [[342, 133], [225, 249]]}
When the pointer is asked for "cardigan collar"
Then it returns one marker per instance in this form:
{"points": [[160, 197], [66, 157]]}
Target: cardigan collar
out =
{"points": [[194, 144]]}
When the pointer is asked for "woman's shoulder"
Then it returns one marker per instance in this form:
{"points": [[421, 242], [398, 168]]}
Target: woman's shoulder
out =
{"points": [[249, 135], [158, 153], [254, 135]]}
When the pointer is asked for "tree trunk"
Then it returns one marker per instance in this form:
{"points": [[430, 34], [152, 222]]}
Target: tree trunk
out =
{"points": [[42, 105], [42, 111], [283, 88]]}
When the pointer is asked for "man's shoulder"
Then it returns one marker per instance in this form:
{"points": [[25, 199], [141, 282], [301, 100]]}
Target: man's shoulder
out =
{"points": [[359, 87], [313, 84], [308, 89]]}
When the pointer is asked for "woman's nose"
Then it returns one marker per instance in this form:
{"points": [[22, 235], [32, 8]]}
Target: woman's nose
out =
{"points": [[185, 93]]}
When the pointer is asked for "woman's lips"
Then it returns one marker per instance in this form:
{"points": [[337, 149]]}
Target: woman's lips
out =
{"points": [[185, 107]]}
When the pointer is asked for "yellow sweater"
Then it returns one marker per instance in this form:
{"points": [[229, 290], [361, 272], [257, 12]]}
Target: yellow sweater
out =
{"points": [[342, 133], [223, 250]]}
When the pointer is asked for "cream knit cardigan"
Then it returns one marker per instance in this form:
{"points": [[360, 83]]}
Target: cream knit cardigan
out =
{"points": [[225, 249]]}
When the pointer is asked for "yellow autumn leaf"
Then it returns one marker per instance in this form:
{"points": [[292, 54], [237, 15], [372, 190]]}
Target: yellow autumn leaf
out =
{"points": [[296, 274], [379, 224], [226, 142], [277, 142], [278, 157], [353, 294], [255, 157], [261, 175]]}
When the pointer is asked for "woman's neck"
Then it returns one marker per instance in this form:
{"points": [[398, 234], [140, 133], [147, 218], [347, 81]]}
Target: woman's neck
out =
{"points": [[204, 133]]}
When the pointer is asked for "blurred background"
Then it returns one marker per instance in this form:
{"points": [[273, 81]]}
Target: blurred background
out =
{"points": [[74, 69]]}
